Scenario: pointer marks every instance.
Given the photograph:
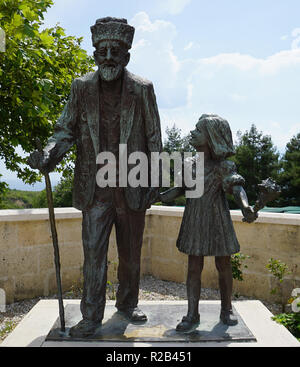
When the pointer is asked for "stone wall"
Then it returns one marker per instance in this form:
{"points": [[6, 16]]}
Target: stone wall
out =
{"points": [[26, 251], [273, 235]]}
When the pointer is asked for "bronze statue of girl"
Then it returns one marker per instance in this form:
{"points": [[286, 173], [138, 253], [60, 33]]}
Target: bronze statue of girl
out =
{"points": [[206, 228]]}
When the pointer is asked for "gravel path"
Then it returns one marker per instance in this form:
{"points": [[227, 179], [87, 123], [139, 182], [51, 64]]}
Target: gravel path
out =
{"points": [[150, 289]]}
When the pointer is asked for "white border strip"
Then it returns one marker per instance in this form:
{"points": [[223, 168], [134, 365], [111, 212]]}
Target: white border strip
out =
{"points": [[20, 215], [236, 215], [17, 215]]}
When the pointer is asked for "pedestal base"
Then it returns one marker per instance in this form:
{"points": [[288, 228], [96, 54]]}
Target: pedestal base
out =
{"points": [[160, 327], [255, 328]]}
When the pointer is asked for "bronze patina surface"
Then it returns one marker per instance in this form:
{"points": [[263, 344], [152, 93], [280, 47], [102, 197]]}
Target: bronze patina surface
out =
{"points": [[160, 327], [107, 108]]}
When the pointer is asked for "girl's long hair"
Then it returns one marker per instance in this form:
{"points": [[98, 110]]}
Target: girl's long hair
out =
{"points": [[219, 136]]}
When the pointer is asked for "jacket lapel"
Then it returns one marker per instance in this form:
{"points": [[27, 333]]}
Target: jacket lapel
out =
{"points": [[128, 104], [93, 110]]}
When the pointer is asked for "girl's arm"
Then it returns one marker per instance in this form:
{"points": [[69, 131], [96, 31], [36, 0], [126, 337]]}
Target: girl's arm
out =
{"points": [[241, 199], [171, 194]]}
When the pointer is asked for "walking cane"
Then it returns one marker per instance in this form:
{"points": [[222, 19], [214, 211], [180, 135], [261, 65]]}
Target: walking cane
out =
{"points": [[55, 243]]}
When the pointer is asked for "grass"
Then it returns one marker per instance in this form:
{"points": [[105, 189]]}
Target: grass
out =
{"points": [[8, 328], [291, 321]]}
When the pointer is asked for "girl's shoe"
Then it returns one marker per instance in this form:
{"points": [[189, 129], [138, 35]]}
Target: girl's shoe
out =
{"points": [[228, 317], [188, 324]]}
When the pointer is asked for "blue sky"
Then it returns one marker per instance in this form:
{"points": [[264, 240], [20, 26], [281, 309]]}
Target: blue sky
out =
{"points": [[238, 59]]}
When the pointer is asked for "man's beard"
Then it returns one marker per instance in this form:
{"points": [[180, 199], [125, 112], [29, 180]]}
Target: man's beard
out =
{"points": [[109, 73]]}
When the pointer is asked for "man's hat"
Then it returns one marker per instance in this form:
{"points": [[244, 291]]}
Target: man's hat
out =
{"points": [[112, 29]]}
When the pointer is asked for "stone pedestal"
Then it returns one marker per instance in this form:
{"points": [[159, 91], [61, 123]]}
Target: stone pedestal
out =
{"points": [[160, 326], [40, 327]]}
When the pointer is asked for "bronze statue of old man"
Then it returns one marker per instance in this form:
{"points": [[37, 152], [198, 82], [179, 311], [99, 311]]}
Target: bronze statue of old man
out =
{"points": [[107, 108]]}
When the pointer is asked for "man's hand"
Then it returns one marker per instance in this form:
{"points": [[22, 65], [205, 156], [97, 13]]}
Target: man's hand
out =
{"points": [[37, 160], [171, 194], [249, 214], [164, 200]]}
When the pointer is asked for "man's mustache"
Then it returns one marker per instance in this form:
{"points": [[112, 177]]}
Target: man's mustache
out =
{"points": [[109, 64]]}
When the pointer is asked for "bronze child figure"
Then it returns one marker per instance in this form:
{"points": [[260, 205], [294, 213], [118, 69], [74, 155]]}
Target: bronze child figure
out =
{"points": [[206, 228]]}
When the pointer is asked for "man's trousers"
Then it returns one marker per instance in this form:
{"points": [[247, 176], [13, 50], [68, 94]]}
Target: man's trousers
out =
{"points": [[96, 228]]}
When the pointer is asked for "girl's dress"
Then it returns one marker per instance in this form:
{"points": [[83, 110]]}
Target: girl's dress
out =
{"points": [[207, 228]]}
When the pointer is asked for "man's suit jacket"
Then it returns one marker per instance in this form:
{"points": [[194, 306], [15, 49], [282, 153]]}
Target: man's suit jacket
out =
{"points": [[79, 124]]}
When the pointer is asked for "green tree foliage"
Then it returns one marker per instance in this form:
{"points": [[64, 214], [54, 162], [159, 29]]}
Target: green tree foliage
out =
{"points": [[175, 142], [62, 196], [3, 192], [256, 159], [289, 177], [236, 264], [36, 72], [40, 200]]}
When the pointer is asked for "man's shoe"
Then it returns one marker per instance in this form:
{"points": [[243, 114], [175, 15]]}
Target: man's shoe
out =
{"points": [[134, 314], [228, 317], [84, 329], [188, 324]]}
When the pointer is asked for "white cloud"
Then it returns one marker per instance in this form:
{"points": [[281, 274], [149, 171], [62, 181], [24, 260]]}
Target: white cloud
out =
{"points": [[270, 65], [138, 44], [153, 57], [159, 30], [172, 7], [189, 46], [281, 135], [279, 61], [296, 35], [239, 61], [239, 87]]}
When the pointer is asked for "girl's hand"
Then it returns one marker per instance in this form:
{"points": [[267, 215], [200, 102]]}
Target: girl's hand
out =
{"points": [[249, 214]]}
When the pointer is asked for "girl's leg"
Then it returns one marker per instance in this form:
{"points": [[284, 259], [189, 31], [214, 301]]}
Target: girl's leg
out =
{"points": [[193, 285], [223, 265]]}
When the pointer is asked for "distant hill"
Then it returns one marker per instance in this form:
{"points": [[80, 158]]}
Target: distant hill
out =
{"points": [[19, 199]]}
